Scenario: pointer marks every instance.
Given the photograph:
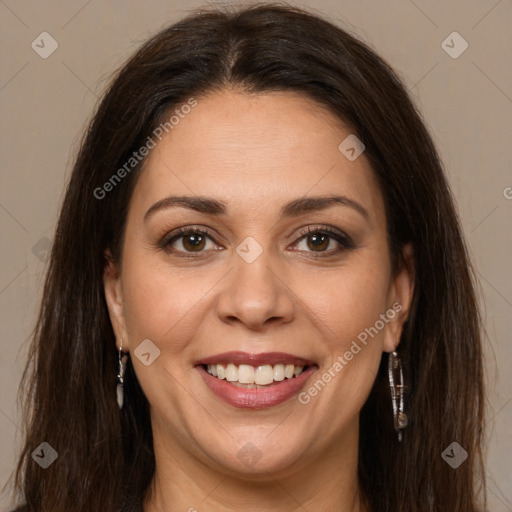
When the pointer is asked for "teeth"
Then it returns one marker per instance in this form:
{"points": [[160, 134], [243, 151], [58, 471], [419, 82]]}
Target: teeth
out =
{"points": [[279, 372], [245, 374], [231, 373], [264, 375], [261, 376]]}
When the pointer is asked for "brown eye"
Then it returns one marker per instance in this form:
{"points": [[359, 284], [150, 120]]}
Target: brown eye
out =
{"points": [[187, 241], [193, 242], [318, 240]]}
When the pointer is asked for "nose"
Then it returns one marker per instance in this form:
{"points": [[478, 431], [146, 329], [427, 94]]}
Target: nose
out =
{"points": [[255, 294]]}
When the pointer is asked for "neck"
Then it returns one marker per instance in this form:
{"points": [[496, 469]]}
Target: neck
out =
{"points": [[184, 483]]}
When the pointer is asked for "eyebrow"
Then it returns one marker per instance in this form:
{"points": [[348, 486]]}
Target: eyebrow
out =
{"points": [[293, 208]]}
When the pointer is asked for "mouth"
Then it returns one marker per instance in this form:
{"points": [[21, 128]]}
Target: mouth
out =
{"points": [[248, 376], [255, 381]]}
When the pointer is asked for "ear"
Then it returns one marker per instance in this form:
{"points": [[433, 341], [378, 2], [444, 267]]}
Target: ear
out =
{"points": [[399, 299], [114, 299]]}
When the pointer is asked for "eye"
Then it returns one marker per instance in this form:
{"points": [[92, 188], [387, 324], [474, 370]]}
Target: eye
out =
{"points": [[318, 240], [187, 240], [192, 242]]}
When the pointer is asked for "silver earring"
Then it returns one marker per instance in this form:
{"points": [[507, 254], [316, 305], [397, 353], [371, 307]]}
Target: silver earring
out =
{"points": [[120, 377], [397, 392]]}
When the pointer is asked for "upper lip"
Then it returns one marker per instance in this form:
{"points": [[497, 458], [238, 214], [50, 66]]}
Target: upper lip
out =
{"points": [[272, 358]]}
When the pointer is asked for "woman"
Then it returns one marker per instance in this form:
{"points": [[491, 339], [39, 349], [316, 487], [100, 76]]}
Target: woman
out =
{"points": [[259, 297]]}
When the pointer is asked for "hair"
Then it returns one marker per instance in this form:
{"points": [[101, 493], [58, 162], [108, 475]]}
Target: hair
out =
{"points": [[106, 455]]}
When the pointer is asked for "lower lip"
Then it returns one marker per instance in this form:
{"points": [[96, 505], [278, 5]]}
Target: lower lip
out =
{"points": [[256, 398]]}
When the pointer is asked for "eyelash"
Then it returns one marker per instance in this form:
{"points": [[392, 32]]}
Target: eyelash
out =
{"points": [[344, 241]]}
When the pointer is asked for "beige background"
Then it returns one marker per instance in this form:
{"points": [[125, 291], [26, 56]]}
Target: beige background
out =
{"points": [[466, 102]]}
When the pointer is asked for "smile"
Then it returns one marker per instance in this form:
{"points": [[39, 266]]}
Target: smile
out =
{"points": [[255, 381], [246, 375]]}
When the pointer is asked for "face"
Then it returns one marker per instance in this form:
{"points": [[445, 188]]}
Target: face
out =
{"points": [[261, 275]]}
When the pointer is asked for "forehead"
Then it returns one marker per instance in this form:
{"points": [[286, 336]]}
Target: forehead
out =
{"points": [[256, 151]]}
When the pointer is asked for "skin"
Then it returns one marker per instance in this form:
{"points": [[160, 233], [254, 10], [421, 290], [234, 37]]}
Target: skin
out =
{"points": [[255, 153]]}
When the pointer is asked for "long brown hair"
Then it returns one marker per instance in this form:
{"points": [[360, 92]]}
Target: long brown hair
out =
{"points": [[105, 455]]}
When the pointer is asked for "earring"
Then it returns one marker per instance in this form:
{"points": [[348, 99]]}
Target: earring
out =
{"points": [[397, 392], [120, 377]]}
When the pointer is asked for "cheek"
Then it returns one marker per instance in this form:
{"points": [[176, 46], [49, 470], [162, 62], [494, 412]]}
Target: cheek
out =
{"points": [[347, 301], [159, 302], [347, 308]]}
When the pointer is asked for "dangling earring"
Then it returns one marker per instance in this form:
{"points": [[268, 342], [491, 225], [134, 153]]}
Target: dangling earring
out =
{"points": [[120, 377], [397, 392]]}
